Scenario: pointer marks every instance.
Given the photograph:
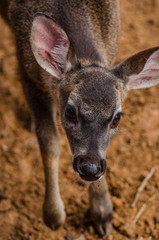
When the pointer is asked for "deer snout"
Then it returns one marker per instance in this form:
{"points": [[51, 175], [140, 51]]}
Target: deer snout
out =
{"points": [[89, 170]]}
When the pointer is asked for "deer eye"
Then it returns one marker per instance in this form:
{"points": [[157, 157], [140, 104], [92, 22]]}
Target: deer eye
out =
{"points": [[70, 114], [116, 120]]}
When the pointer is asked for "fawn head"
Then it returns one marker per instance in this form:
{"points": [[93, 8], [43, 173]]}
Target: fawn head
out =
{"points": [[90, 95]]}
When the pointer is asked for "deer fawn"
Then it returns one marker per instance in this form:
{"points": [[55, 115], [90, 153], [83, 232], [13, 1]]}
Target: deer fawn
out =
{"points": [[65, 50]]}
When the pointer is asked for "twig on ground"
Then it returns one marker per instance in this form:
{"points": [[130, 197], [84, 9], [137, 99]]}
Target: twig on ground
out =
{"points": [[141, 238], [143, 184], [139, 213]]}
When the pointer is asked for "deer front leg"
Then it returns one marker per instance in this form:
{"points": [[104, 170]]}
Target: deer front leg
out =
{"points": [[44, 114], [100, 206], [53, 208]]}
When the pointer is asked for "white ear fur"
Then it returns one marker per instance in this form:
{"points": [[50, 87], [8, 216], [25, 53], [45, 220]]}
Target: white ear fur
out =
{"points": [[50, 46], [148, 77]]}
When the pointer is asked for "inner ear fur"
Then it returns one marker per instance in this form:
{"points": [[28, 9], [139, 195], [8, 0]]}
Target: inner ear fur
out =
{"points": [[134, 64], [51, 46]]}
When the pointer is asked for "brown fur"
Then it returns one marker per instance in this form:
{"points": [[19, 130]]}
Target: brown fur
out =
{"points": [[87, 92]]}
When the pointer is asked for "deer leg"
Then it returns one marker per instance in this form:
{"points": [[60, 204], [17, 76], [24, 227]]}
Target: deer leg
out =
{"points": [[48, 137], [100, 206], [44, 114]]}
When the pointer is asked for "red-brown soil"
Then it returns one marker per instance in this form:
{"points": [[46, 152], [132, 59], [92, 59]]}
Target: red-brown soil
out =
{"points": [[132, 154]]}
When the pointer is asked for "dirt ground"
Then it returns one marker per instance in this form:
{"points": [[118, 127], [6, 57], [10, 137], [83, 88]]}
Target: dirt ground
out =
{"points": [[132, 153]]}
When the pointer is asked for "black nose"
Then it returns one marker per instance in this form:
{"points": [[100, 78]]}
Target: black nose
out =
{"points": [[88, 169]]}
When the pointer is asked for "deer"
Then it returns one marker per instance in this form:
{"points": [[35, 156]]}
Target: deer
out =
{"points": [[65, 51]]}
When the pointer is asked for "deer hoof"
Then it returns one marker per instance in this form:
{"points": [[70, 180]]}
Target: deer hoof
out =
{"points": [[101, 214], [103, 228], [53, 217]]}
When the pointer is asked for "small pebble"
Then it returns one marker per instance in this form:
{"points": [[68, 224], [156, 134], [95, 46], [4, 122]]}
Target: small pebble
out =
{"points": [[117, 202], [69, 237], [91, 230], [5, 205], [110, 237], [81, 238], [157, 219], [116, 223], [4, 147]]}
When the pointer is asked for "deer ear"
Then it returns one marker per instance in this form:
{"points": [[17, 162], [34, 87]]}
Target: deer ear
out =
{"points": [[50, 46], [140, 70]]}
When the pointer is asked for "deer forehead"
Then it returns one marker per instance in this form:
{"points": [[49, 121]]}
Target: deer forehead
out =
{"points": [[96, 94]]}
